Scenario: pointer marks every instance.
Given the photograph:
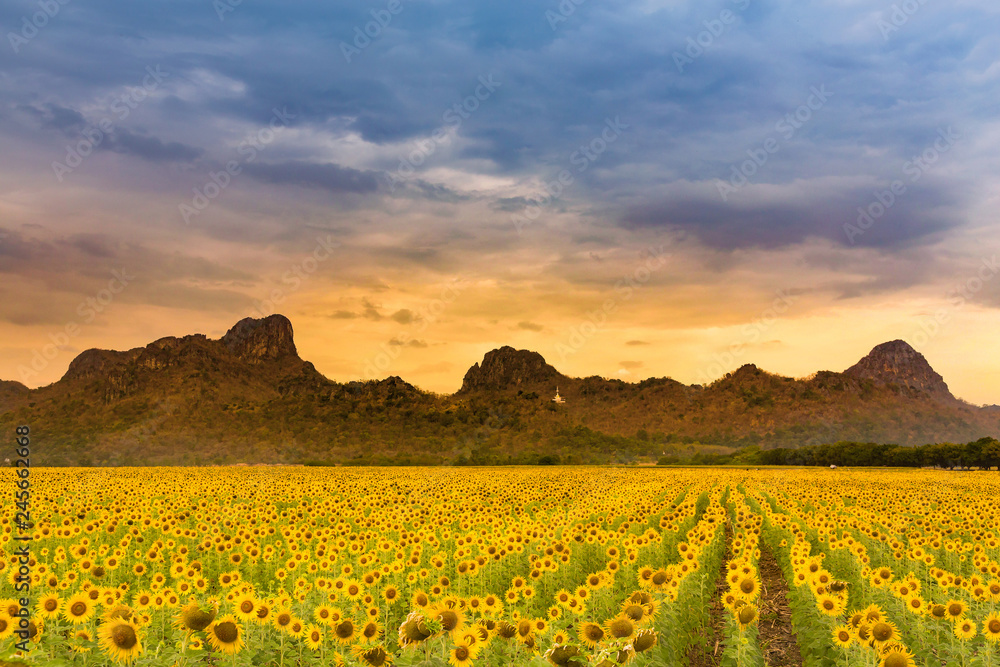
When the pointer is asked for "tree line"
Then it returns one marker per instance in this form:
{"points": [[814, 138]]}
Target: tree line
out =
{"points": [[983, 453]]}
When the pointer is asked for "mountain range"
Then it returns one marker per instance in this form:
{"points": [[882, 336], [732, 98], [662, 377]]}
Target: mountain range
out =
{"points": [[249, 398]]}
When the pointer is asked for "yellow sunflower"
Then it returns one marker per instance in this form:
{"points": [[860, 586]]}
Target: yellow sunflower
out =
{"points": [[991, 628], [48, 605], [120, 639], [79, 608], [461, 655], [245, 607], [897, 656], [843, 636], [965, 628], [313, 637], [225, 635]]}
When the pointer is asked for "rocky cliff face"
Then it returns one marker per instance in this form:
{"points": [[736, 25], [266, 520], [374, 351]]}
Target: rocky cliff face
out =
{"points": [[507, 368], [257, 340], [896, 362], [249, 343], [97, 363]]}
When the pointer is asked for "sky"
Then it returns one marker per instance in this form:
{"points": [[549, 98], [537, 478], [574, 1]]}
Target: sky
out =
{"points": [[632, 189]]}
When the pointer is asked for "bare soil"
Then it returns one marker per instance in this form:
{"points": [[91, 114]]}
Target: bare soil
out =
{"points": [[777, 639], [708, 653]]}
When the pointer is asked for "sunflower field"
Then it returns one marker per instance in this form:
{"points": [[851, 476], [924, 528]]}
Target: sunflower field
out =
{"points": [[507, 566]]}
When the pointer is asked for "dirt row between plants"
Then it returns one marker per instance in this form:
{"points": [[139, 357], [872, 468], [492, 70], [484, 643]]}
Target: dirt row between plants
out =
{"points": [[777, 638], [709, 652]]}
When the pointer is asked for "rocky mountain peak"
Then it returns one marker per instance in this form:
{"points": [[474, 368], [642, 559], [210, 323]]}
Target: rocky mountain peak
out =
{"points": [[746, 371], [896, 362], [95, 363], [506, 367], [255, 340]]}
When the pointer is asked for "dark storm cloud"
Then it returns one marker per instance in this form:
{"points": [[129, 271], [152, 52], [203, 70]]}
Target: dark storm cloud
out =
{"points": [[94, 245], [330, 177], [53, 116], [511, 204], [74, 267], [922, 213], [151, 148], [561, 80], [438, 193]]}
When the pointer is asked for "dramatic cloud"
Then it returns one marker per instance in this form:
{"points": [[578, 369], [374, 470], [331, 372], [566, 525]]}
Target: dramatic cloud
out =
{"points": [[151, 148], [498, 172], [330, 177]]}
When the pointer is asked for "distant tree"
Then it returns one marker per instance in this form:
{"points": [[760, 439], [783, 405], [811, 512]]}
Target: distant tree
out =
{"points": [[989, 454], [904, 457]]}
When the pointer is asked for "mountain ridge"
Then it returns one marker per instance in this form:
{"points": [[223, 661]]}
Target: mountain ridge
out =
{"points": [[248, 396]]}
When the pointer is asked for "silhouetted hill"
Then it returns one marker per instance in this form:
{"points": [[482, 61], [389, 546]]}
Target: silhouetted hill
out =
{"points": [[249, 397]]}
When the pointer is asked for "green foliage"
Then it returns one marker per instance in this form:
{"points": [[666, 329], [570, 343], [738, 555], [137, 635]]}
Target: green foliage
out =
{"points": [[983, 453]]}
